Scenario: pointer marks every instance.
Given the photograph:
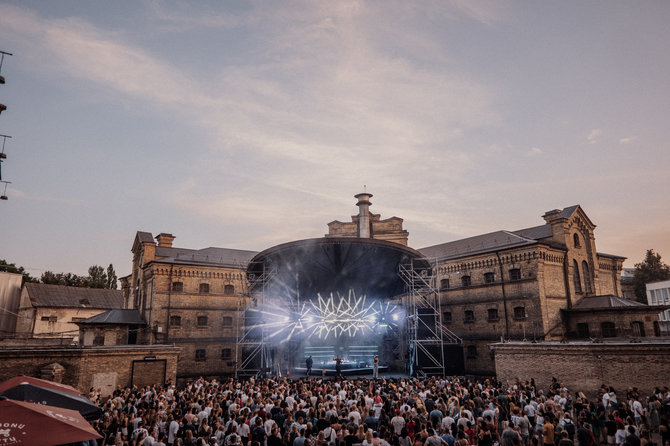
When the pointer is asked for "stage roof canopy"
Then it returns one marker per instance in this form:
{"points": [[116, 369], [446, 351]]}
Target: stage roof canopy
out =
{"points": [[328, 265]]}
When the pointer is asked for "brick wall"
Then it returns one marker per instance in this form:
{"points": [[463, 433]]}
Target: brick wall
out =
{"points": [[85, 366], [583, 366]]}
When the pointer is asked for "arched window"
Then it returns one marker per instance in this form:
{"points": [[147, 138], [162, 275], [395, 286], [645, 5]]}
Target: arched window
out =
{"points": [[608, 330], [469, 316], [228, 289], [465, 281], [587, 277], [519, 312], [575, 239], [575, 277], [444, 284]]}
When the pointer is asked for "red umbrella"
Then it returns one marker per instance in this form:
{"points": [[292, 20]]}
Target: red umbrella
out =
{"points": [[29, 424], [13, 382]]}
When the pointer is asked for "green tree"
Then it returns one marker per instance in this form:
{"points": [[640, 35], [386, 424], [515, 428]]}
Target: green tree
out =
{"points": [[67, 279], [12, 268], [111, 277], [97, 278], [651, 269]]}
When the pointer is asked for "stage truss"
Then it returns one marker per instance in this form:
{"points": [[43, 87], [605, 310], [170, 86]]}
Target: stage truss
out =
{"points": [[421, 342]]}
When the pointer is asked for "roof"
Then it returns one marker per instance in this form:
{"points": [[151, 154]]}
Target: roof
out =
{"points": [[536, 232], [145, 237], [45, 295], [208, 256], [116, 317], [611, 302], [492, 241]]}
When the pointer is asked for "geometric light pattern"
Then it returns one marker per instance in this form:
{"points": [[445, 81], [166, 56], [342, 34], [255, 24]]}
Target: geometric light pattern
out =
{"points": [[331, 316]]}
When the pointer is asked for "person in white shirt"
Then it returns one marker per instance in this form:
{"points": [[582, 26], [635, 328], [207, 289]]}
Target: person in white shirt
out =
{"points": [[398, 423]]}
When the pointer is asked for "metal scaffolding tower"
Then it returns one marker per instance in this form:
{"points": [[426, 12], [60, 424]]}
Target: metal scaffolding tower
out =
{"points": [[425, 334]]}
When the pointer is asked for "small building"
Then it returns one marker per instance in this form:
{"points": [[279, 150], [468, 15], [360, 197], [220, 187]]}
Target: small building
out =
{"points": [[52, 311], [113, 327], [658, 293]]}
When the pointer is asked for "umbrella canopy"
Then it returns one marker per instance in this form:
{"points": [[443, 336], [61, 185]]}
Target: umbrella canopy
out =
{"points": [[29, 424], [13, 382], [53, 397]]}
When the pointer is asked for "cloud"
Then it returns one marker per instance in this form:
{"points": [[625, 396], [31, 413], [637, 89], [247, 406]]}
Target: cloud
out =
{"points": [[535, 151], [626, 140], [594, 135]]}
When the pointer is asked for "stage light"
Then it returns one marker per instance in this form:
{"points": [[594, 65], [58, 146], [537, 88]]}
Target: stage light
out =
{"points": [[395, 316]]}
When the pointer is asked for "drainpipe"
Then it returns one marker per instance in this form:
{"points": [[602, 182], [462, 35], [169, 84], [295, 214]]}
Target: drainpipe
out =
{"points": [[167, 327], [502, 285]]}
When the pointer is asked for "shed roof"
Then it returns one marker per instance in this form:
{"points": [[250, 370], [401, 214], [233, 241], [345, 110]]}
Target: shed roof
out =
{"points": [[116, 317]]}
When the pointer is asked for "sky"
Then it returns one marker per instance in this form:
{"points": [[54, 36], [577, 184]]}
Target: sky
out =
{"points": [[245, 124]]}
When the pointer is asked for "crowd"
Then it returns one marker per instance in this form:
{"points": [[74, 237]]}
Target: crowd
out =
{"points": [[383, 412]]}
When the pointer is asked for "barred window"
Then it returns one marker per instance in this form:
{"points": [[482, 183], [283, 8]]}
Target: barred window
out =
{"points": [[227, 321], [489, 278], [178, 286], [519, 312], [469, 316], [465, 281], [175, 321], [202, 321], [229, 289], [204, 288], [226, 353], [444, 284], [200, 354], [493, 314], [515, 274]]}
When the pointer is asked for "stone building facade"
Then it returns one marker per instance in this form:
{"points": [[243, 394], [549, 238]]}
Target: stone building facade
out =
{"points": [[188, 298], [514, 284]]}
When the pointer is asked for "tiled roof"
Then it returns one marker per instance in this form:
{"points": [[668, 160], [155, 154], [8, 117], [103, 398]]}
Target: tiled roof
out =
{"points": [[116, 317], [208, 256], [145, 237], [45, 295], [536, 232], [607, 301], [478, 244]]}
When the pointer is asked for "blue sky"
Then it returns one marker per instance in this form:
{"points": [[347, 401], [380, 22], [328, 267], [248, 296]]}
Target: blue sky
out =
{"points": [[245, 124]]}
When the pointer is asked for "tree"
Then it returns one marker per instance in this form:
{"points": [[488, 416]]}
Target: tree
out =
{"points": [[652, 269], [12, 268], [97, 278], [111, 277], [67, 279]]}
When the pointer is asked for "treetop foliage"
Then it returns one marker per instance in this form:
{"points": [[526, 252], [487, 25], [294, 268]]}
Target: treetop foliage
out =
{"points": [[97, 277], [651, 269]]}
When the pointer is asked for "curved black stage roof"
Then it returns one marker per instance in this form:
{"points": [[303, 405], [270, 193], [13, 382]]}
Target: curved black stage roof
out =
{"points": [[327, 265]]}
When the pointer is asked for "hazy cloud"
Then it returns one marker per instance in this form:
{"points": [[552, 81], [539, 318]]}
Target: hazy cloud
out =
{"points": [[594, 135]]}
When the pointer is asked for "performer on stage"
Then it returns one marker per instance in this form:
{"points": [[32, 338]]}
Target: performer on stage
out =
{"points": [[375, 370], [338, 367], [309, 363]]}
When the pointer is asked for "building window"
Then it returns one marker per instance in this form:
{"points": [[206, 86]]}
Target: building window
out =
{"points": [[465, 281], [444, 284], [587, 277], [202, 321], [204, 288], [227, 321], [519, 312], [175, 321], [575, 277], [583, 330], [99, 340], [575, 240], [471, 351], [228, 289], [50, 318], [489, 277], [446, 317], [608, 329], [515, 274], [178, 286], [226, 353], [469, 316], [493, 314], [200, 354], [637, 329]]}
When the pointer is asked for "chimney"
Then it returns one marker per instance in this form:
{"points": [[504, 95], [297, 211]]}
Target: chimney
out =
{"points": [[363, 214], [165, 239]]}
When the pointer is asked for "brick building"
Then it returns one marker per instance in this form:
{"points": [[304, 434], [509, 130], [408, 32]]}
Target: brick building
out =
{"points": [[189, 298]]}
